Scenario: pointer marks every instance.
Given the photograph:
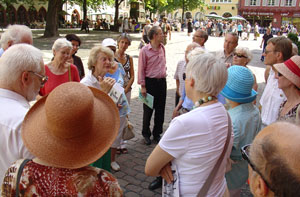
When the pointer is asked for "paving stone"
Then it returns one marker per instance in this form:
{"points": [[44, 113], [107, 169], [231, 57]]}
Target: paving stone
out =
{"points": [[134, 188], [132, 194], [147, 193], [122, 182], [132, 180]]}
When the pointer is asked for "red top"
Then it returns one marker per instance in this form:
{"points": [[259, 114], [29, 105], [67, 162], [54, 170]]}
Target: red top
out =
{"points": [[44, 181], [55, 80]]}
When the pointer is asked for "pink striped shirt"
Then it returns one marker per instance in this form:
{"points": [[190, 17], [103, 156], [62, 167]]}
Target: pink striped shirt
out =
{"points": [[152, 63]]}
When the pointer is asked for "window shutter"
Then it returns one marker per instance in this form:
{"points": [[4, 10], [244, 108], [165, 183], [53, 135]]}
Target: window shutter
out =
{"points": [[294, 3], [247, 2], [276, 2], [282, 3]]}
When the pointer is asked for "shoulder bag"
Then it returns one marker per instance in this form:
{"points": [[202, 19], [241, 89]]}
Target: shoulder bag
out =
{"points": [[20, 170], [203, 191]]}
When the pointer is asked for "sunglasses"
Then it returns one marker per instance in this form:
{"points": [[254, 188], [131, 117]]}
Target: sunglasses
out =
{"points": [[245, 154], [43, 78], [279, 74], [183, 76], [239, 55]]}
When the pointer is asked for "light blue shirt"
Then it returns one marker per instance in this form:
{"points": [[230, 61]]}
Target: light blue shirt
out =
{"points": [[187, 103], [240, 27], [1, 52], [246, 122]]}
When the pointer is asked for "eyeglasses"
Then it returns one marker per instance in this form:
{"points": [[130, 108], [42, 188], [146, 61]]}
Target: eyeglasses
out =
{"points": [[245, 154], [183, 76], [75, 46], [239, 55], [266, 51], [279, 74], [43, 78]]}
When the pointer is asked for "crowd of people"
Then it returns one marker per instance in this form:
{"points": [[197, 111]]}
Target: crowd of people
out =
{"points": [[66, 143]]}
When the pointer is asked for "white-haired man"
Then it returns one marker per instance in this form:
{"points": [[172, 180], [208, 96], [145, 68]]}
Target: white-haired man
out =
{"points": [[21, 76], [15, 34]]}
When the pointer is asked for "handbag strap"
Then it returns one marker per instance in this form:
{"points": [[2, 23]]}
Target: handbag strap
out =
{"points": [[24, 162], [69, 69], [203, 191]]}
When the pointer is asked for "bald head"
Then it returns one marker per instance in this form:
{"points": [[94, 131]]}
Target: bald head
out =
{"points": [[275, 152]]}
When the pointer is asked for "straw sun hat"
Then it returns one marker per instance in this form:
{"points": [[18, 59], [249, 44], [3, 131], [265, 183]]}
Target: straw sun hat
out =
{"points": [[290, 69], [72, 127], [239, 85]]}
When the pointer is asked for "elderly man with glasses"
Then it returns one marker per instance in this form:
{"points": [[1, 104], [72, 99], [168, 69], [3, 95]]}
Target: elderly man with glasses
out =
{"points": [[273, 160], [21, 77]]}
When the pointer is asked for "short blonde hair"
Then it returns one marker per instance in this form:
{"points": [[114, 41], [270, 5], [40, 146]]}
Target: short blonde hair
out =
{"points": [[94, 54], [209, 74]]}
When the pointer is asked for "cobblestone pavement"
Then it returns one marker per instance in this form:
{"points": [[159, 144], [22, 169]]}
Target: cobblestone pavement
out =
{"points": [[131, 176]]}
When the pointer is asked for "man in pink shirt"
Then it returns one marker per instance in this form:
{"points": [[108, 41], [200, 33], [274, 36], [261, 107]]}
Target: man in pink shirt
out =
{"points": [[152, 78]]}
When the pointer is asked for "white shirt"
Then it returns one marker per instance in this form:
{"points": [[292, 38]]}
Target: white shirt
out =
{"points": [[270, 100], [179, 74], [248, 28], [13, 110], [90, 80], [156, 23], [196, 141]]}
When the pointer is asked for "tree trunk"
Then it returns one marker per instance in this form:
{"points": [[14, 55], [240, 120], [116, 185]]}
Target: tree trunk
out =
{"points": [[116, 25], [84, 9], [51, 29], [183, 5]]}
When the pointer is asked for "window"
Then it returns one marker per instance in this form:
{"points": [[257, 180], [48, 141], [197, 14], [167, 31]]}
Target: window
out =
{"points": [[252, 2], [288, 2], [271, 2]]}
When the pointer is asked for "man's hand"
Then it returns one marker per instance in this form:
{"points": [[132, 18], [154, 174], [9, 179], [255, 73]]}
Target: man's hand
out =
{"points": [[144, 91], [106, 84], [166, 173]]}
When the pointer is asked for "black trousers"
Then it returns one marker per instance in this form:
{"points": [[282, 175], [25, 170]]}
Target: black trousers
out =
{"points": [[158, 89]]}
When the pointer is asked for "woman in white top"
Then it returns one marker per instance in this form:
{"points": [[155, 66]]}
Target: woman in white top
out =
{"points": [[194, 141]]}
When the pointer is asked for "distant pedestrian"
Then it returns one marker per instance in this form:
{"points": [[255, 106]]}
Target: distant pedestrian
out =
{"points": [[240, 29], [264, 42], [190, 27], [248, 30], [166, 29]]}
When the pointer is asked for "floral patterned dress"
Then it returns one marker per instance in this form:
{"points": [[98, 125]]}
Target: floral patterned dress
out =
{"points": [[39, 180], [291, 115]]}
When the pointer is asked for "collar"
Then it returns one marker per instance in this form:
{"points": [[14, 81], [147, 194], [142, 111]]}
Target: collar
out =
{"points": [[92, 77], [5, 93], [159, 46]]}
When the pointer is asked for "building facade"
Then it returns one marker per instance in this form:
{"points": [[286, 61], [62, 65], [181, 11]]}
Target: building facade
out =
{"points": [[277, 12]]}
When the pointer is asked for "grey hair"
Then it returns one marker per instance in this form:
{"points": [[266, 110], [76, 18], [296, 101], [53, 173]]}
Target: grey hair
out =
{"points": [[122, 37], [16, 34], [17, 59], [94, 54], [295, 49], [246, 51], [197, 50], [209, 74], [61, 43]]}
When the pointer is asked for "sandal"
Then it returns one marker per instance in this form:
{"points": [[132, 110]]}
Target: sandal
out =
{"points": [[119, 151], [124, 150]]}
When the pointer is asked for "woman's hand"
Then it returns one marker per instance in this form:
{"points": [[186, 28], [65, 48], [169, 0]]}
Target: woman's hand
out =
{"points": [[166, 173], [106, 84]]}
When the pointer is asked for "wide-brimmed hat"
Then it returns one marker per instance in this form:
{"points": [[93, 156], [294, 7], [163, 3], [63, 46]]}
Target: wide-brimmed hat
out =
{"points": [[72, 127], [239, 85], [109, 42], [290, 69]]}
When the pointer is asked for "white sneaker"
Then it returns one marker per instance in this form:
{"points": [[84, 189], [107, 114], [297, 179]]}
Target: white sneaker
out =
{"points": [[115, 166]]}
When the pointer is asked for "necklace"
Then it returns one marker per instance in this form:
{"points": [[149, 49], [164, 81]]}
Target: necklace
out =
{"points": [[204, 100]]}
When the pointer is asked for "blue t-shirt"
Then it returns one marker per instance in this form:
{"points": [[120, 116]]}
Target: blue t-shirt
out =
{"points": [[240, 27], [118, 75]]}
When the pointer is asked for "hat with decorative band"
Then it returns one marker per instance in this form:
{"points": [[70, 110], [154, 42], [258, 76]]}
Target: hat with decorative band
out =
{"points": [[290, 69], [239, 85]]}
